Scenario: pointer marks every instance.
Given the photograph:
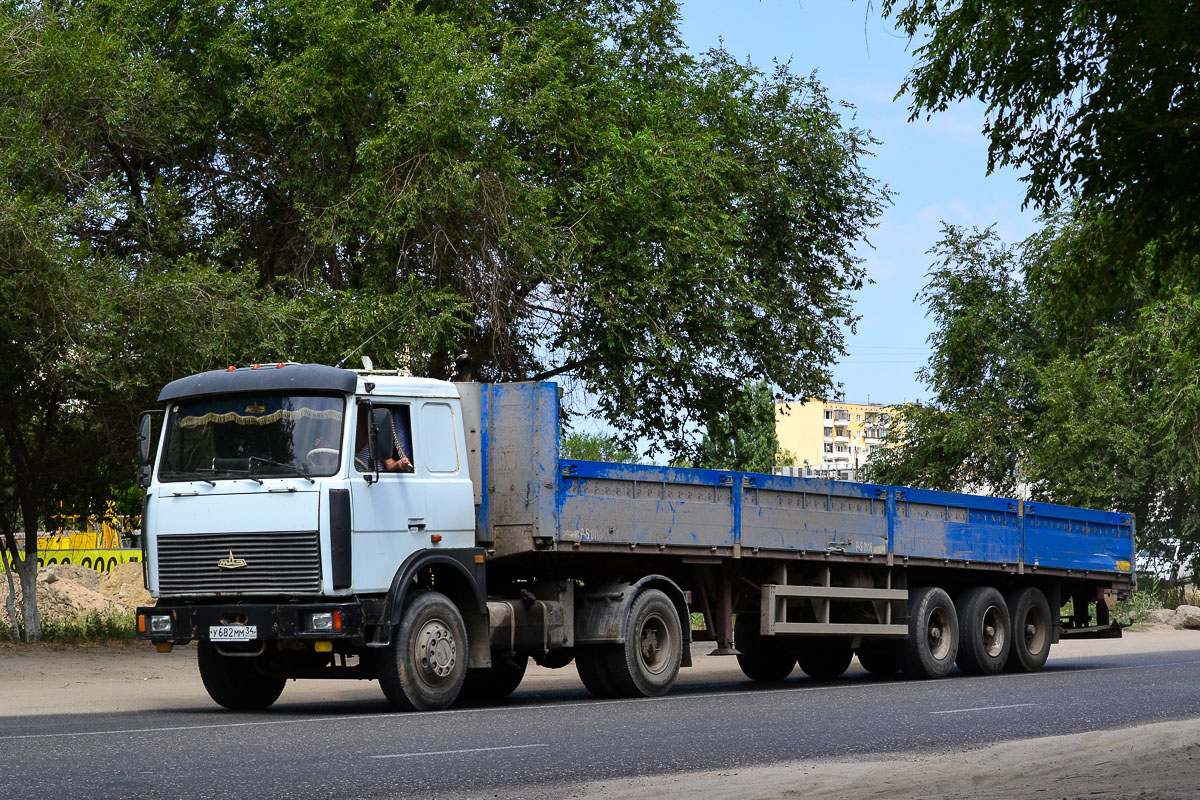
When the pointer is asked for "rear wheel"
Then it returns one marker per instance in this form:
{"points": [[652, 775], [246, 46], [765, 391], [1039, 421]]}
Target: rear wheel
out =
{"points": [[592, 663], [824, 658], [424, 667], [762, 658], [495, 682], [1029, 615], [239, 683], [984, 638], [648, 663], [879, 658], [932, 643]]}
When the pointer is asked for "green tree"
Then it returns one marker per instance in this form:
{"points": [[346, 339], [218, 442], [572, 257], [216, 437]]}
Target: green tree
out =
{"points": [[1098, 101], [596, 447], [743, 436]]}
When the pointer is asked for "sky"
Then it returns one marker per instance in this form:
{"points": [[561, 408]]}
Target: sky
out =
{"points": [[936, 169]]}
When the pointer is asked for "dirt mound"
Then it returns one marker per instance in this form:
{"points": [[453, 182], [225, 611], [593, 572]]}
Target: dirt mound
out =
{"points": [[62, 596], [123, 586], [84, 576]]}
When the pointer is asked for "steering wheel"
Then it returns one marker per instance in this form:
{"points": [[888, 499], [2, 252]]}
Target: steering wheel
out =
{"points": [[322, 458]]}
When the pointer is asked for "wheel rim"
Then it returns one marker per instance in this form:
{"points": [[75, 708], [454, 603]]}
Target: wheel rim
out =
{"points": [[436, 651], [654, 644], [937, 633], [1035, 631], [993, 631]]}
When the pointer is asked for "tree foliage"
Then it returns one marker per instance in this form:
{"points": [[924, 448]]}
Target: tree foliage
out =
{"points": [[1098, 100]]}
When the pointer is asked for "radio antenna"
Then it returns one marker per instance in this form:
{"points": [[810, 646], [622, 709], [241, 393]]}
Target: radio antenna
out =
{"points": [[365, 343]]}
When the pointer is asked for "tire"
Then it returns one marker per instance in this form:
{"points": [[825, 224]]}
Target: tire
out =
{"points": [[985, 631], [555, 659], [824, 658], [1029, 616], [424, 667], [932, 643], [880, 658], [762, 658], [495, 682], [592, 663], [239, 683], [647, 664]]}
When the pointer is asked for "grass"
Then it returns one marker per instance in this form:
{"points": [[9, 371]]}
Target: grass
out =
{"points": [[94, 627]]}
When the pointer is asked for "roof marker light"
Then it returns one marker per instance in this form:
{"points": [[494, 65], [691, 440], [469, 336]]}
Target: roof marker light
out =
{"points": [[231, 369], [256, 366]]}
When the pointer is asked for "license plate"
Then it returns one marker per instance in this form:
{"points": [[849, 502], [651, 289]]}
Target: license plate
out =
{"points": [[232, 633]]}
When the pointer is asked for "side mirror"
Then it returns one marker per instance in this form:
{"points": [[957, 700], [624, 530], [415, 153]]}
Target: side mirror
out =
{"points": [[145, 431], [145, 443]]}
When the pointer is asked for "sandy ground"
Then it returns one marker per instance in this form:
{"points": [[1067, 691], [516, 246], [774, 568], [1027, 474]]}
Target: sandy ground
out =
{"points": [[1150, 762]]}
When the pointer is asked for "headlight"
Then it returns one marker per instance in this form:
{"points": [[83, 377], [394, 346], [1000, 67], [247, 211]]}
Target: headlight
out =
{"points": [[321, 621], [160, 624]]}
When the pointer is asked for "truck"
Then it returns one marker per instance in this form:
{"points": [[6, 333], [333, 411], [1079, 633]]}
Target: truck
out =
{"points": [[306, 521]]}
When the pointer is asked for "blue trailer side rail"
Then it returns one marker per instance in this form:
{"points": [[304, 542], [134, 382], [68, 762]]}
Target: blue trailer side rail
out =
{"points": [[533, 500]]}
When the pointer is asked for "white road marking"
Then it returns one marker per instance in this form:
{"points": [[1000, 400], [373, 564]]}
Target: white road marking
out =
{"points": [[459, 752], [983, 708]]}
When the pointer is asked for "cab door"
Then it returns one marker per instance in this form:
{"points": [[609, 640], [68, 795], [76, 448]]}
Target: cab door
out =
{"points": [[387, 515]]}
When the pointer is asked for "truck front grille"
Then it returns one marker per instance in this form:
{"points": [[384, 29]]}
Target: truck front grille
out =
{"points": [[251, 563]]}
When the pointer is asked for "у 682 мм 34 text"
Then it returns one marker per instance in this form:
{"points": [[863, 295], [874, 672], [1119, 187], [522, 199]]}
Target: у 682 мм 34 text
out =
{"points": [[303, 521]]}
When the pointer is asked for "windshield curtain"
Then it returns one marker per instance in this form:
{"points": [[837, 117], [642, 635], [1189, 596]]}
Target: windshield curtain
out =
{"points": [[261, 436]]}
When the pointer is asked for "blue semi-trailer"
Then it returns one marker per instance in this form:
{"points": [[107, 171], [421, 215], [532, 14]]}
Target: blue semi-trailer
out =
{"points": [[303, 521]]}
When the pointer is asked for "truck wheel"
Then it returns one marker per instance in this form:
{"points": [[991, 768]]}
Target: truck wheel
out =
{"points": [[555, 659], [497, 681], [239, 683], [932, 643], [1029, 614], [984, 636], [424, 667], [592, 663], [879, 658], [648, 663], [823, 657], [762, 658]]}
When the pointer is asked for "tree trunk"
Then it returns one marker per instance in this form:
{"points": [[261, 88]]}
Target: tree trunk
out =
{"points": [[27, 569], [10, 602]]}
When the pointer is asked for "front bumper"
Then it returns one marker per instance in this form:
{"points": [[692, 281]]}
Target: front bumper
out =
{"points": [[273, 621]]}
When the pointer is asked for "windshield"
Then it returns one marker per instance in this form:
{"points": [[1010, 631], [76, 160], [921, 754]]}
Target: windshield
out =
{"points": [[253, 436]]}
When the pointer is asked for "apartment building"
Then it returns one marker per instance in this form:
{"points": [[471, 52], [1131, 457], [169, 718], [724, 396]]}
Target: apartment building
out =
{"points": [[829, 435]]}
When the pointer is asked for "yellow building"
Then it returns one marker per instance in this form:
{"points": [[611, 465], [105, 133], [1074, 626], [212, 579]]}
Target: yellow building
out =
{"points": [[828, 435]]}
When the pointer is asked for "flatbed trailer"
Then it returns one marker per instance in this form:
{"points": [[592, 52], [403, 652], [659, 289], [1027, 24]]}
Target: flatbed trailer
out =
{"points": [[494, 550]]}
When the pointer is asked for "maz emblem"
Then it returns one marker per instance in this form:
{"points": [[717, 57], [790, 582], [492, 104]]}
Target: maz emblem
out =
{"points": [[231, 562]]}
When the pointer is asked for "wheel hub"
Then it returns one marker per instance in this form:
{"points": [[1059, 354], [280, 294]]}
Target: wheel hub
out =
{"points": [[437, 650], [653, 645]]}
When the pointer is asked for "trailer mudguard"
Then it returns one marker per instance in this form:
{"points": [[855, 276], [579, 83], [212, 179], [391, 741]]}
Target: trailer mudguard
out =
{"points": [[603, 610]]}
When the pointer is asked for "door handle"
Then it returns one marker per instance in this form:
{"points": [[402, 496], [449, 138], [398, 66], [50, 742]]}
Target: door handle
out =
{"points": [[416, 525]]}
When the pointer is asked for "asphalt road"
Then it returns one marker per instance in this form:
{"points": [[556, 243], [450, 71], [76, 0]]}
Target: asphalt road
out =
{"points": [[552, 736]]}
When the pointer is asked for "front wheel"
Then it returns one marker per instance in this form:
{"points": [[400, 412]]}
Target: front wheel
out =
{"points": [[424, 667], [239, 683], [648, 663]]}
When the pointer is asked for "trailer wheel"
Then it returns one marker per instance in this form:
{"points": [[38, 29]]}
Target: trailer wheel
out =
{"points": [[239, 683], [824, 657], [648, 663], [495, 682], [762, 658], [879, 658], [1029, 614], [424, 667], [592, 663], [932, 643], [985, 631]]}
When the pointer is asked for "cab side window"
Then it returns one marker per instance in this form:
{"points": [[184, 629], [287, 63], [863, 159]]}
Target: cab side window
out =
{"points": [[394, 443]]}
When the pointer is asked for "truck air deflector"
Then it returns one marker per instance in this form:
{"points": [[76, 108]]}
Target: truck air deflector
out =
{"points": [[269, 378]]}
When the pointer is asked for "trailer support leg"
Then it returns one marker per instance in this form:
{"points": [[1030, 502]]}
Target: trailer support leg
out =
{"points": [[723, 618]]}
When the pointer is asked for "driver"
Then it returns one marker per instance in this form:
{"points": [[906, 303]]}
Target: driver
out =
{"points": [[362, 453]]}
